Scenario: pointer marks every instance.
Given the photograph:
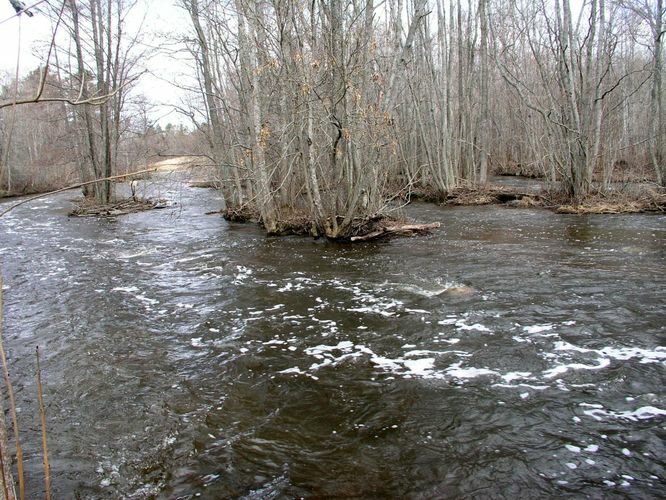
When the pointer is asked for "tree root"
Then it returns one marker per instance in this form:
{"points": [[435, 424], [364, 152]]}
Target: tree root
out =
{"points": [[396, 230]]}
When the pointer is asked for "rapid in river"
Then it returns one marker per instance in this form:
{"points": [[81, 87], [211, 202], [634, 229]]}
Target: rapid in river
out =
{"points": [[510, 353]]}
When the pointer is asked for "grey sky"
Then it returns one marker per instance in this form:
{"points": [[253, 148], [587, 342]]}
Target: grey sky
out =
{"points": [[24, 39]]}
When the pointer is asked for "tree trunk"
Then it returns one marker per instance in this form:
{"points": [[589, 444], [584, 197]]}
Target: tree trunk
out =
{"points": [[657, 132], [484, 125], [257, 132], [207, 74]]}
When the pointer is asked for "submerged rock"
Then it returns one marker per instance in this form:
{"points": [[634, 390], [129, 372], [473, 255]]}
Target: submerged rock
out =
{"points": [[459, 291]]}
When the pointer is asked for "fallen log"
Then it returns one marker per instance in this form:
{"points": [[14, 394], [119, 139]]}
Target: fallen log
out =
{"points": [[397, 229]]}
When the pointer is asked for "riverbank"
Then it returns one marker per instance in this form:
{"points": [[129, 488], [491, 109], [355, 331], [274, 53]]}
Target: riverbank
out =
{"points": [[510, 191], [641, 198]]}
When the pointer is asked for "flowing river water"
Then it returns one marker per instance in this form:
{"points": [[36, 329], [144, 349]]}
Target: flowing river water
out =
{"points": [[510, 353]]}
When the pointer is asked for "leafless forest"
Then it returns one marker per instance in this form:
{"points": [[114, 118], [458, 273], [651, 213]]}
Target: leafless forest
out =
{"points": [[330, 112]]}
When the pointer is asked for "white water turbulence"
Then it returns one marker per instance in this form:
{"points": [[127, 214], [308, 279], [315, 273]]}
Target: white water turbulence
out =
{"points": [[511, 353]]}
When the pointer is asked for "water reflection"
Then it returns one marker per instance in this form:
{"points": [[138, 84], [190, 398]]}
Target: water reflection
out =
{"points": [[579, 231]]}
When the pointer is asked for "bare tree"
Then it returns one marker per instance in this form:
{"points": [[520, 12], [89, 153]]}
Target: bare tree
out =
{"points": [[106, 62], [653, 13]]}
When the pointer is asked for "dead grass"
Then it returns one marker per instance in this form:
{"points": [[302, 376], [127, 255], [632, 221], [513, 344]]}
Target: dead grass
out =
{"points": [[617, 203], [471, 195]]}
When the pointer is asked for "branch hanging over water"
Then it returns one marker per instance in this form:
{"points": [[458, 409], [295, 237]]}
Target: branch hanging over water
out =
{"points": [[74, 186]]}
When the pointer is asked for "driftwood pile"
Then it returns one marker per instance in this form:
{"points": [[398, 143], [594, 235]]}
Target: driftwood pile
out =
{"points": [[491, 195], [117, 208]]}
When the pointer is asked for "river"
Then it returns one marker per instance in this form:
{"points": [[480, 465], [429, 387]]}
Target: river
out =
{"points": [[510, 353]]}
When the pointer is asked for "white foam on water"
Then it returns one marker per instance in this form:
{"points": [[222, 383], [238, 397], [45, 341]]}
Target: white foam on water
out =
{"points": [[381, 309], [518, 386], [455, 370], [645, 355], [604, 357], [511, 376], [426, 292], [461, 325], [343, 345], [451, 341], [242, 274], [295, 370], [416, 311], [425, 352], [421, 367], [537, 328], [642, 413], [417, 360], [275, 342], [560, 369], [386, 364], [566, 346]]}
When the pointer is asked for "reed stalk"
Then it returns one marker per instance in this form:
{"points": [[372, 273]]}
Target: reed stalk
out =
{"points": [[12, 405], [42, 416], [3, 471]]}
